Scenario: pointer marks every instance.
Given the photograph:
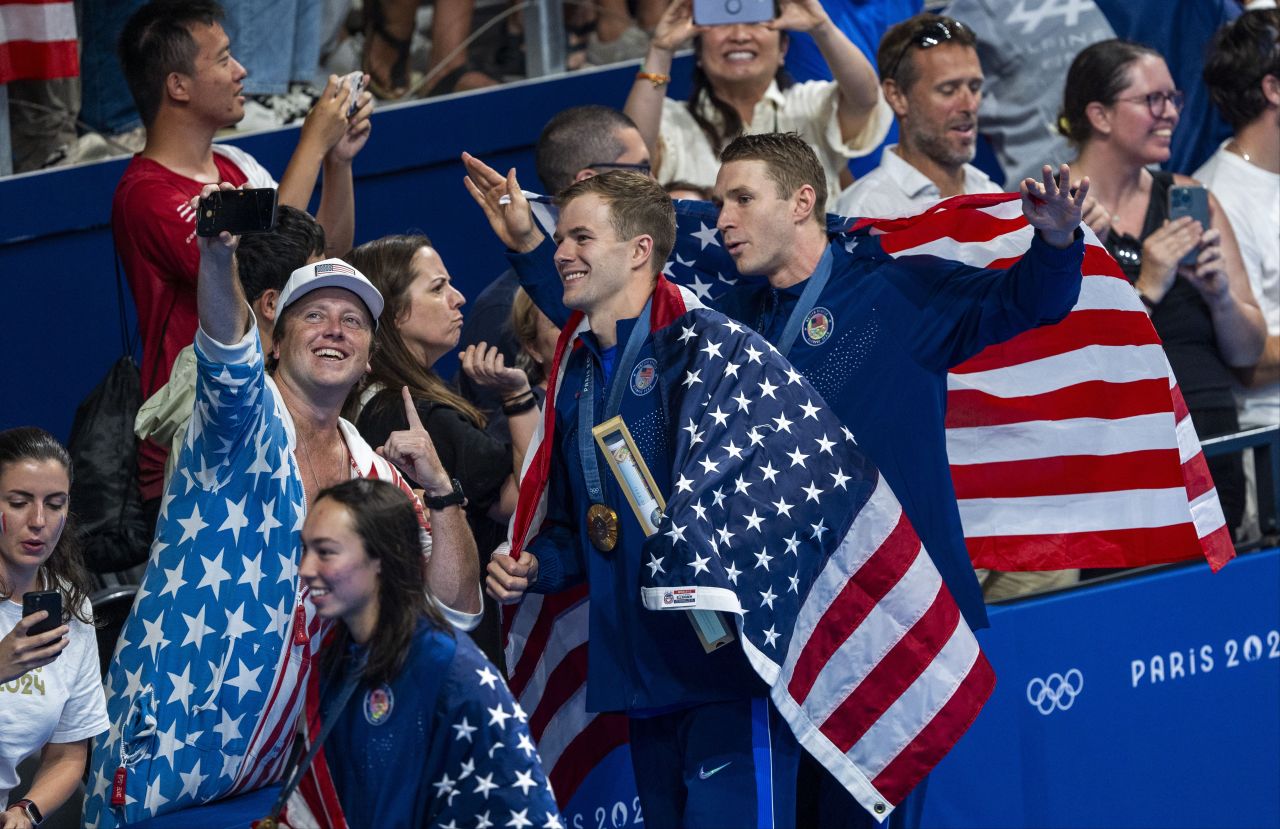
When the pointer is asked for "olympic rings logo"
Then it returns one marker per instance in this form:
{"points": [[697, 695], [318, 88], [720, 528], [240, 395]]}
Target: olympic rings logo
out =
{"points": [[1056, 692]]}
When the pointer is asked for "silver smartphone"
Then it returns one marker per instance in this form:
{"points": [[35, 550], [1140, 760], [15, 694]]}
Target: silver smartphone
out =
{"points": [[1189, 200], [726, 12], [354, 82]]}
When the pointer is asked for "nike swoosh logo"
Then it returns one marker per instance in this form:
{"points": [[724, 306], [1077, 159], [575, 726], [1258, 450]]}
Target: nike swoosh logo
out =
{"points": [[703, 774]]}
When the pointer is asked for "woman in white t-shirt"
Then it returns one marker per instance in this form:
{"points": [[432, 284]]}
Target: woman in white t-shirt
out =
{"points": [[51, 698]]}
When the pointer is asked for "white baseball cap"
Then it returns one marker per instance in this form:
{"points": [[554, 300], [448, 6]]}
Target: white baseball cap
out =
{"points": [[330, 273]]}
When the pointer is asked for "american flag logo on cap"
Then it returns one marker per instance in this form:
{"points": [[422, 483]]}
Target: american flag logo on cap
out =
{"points": [[334, 267]]}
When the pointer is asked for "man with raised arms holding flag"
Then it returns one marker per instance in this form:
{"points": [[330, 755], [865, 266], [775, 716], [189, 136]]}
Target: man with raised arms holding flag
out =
{"points": [[769, 514]]}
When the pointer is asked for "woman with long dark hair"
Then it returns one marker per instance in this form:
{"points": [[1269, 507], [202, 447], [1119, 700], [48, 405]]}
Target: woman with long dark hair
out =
{"points": [[51, 698], [411, 717], [421, 323], [1119, 111], [741, 87]]}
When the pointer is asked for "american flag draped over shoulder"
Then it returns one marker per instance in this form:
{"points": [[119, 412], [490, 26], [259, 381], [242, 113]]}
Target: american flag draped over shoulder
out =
{"points": [[775, 515], [38, 40], [1070, 445]]}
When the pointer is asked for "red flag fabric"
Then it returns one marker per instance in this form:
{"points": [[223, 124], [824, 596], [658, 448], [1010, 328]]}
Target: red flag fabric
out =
{"points": [[38, 40], [1070, 444]]}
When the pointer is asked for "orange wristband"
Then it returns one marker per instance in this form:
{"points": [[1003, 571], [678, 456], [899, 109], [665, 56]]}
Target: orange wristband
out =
{"points": [[656, 78]]}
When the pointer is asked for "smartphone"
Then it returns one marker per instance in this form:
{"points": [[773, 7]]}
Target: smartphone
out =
{"points": [[354, 82], [50, 600], [726, 12], [237, 212], [1193, 201]]}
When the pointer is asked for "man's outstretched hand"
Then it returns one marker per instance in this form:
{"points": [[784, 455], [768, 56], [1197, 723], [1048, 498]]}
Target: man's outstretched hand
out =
{"points": [[1052, 208], [503, 203]]}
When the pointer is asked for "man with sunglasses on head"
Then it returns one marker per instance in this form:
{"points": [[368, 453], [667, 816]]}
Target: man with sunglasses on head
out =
{"points": [[577, 143], [932, 79]]}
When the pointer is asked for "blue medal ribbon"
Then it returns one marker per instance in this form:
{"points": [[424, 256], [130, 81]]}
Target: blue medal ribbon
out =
{"points": [[808, 298], [613, 404]]}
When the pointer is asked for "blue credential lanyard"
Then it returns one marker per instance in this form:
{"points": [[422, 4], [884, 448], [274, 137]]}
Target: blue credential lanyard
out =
{"points": [[586, 403], [808, 298]]}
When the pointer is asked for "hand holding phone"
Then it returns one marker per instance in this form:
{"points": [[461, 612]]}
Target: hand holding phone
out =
{"points": [[237, 211], [355, 84], [1193, 201], [48, 600]]}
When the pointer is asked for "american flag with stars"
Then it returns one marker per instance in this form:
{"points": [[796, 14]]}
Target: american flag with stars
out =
{"points": [[474, 749], [207, 681], [776, 517], [1109, 406]]}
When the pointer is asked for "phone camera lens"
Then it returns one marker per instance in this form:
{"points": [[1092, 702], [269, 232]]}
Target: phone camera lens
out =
{"points": [[733, 6]]}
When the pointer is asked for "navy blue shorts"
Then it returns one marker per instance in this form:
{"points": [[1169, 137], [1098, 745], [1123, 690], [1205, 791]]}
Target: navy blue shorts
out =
{"points": [[719, 765]]}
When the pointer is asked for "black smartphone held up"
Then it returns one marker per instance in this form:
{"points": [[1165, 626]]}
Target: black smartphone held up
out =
{"points": [[726, 12], [1189, 200], [50, 600], [237, 212]]}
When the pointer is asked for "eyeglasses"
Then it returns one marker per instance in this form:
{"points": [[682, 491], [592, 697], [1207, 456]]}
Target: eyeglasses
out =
{"points": [[930, 34], [644, 168], [1156, 101]]}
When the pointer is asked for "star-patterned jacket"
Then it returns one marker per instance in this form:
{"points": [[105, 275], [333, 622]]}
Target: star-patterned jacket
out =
{"points": [[208, 676], [443, 744]]}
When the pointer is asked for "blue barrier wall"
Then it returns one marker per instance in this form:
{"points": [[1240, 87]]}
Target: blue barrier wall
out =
{"points": [[59, 317], [1152, 701]]}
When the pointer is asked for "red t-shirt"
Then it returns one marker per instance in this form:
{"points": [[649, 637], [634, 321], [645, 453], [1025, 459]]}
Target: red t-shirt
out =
{"points": [[154, 227]]}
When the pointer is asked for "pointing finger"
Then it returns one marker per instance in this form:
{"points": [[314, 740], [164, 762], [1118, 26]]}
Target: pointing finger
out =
{"points": [[411, 411]]}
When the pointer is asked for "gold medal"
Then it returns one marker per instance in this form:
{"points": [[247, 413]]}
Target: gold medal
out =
{"points": [[602, 527]]}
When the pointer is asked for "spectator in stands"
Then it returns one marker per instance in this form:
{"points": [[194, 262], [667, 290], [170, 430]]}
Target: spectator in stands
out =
{"points": [[266, 439], [1243, 76], [536, 336], [282, 59], [264, 262], [578, 142], [53, 703], [1026, 48], [1119, 111], [421, 324], [388, 40], [400, 689], [740, 87], [187, 87], [930, 75]]}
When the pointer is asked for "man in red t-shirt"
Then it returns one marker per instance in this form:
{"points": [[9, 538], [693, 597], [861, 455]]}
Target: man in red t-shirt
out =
{"points": [[187, 86]]}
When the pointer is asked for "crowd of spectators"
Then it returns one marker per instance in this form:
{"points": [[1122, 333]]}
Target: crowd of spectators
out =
{"points": [[283, 370]]}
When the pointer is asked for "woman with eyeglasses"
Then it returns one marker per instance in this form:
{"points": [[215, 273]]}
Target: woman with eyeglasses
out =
{"points": [[740, 87], [1119, 111]]}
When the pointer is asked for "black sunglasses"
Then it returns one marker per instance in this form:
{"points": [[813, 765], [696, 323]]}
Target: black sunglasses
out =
{"points": [[644, 168], [930, 33]]}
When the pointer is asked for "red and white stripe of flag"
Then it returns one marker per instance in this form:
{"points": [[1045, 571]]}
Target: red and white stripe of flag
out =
{"points": [[1069, 444], [883, 676], [38, 40]]}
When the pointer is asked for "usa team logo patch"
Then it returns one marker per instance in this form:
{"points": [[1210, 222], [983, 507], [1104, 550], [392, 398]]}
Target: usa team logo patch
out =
{"points": [[378, 704], [644, 377], [818, 326]]}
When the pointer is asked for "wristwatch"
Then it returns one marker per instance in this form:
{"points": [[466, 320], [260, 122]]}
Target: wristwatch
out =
{"points": [[439, 502], [31, 810]]}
